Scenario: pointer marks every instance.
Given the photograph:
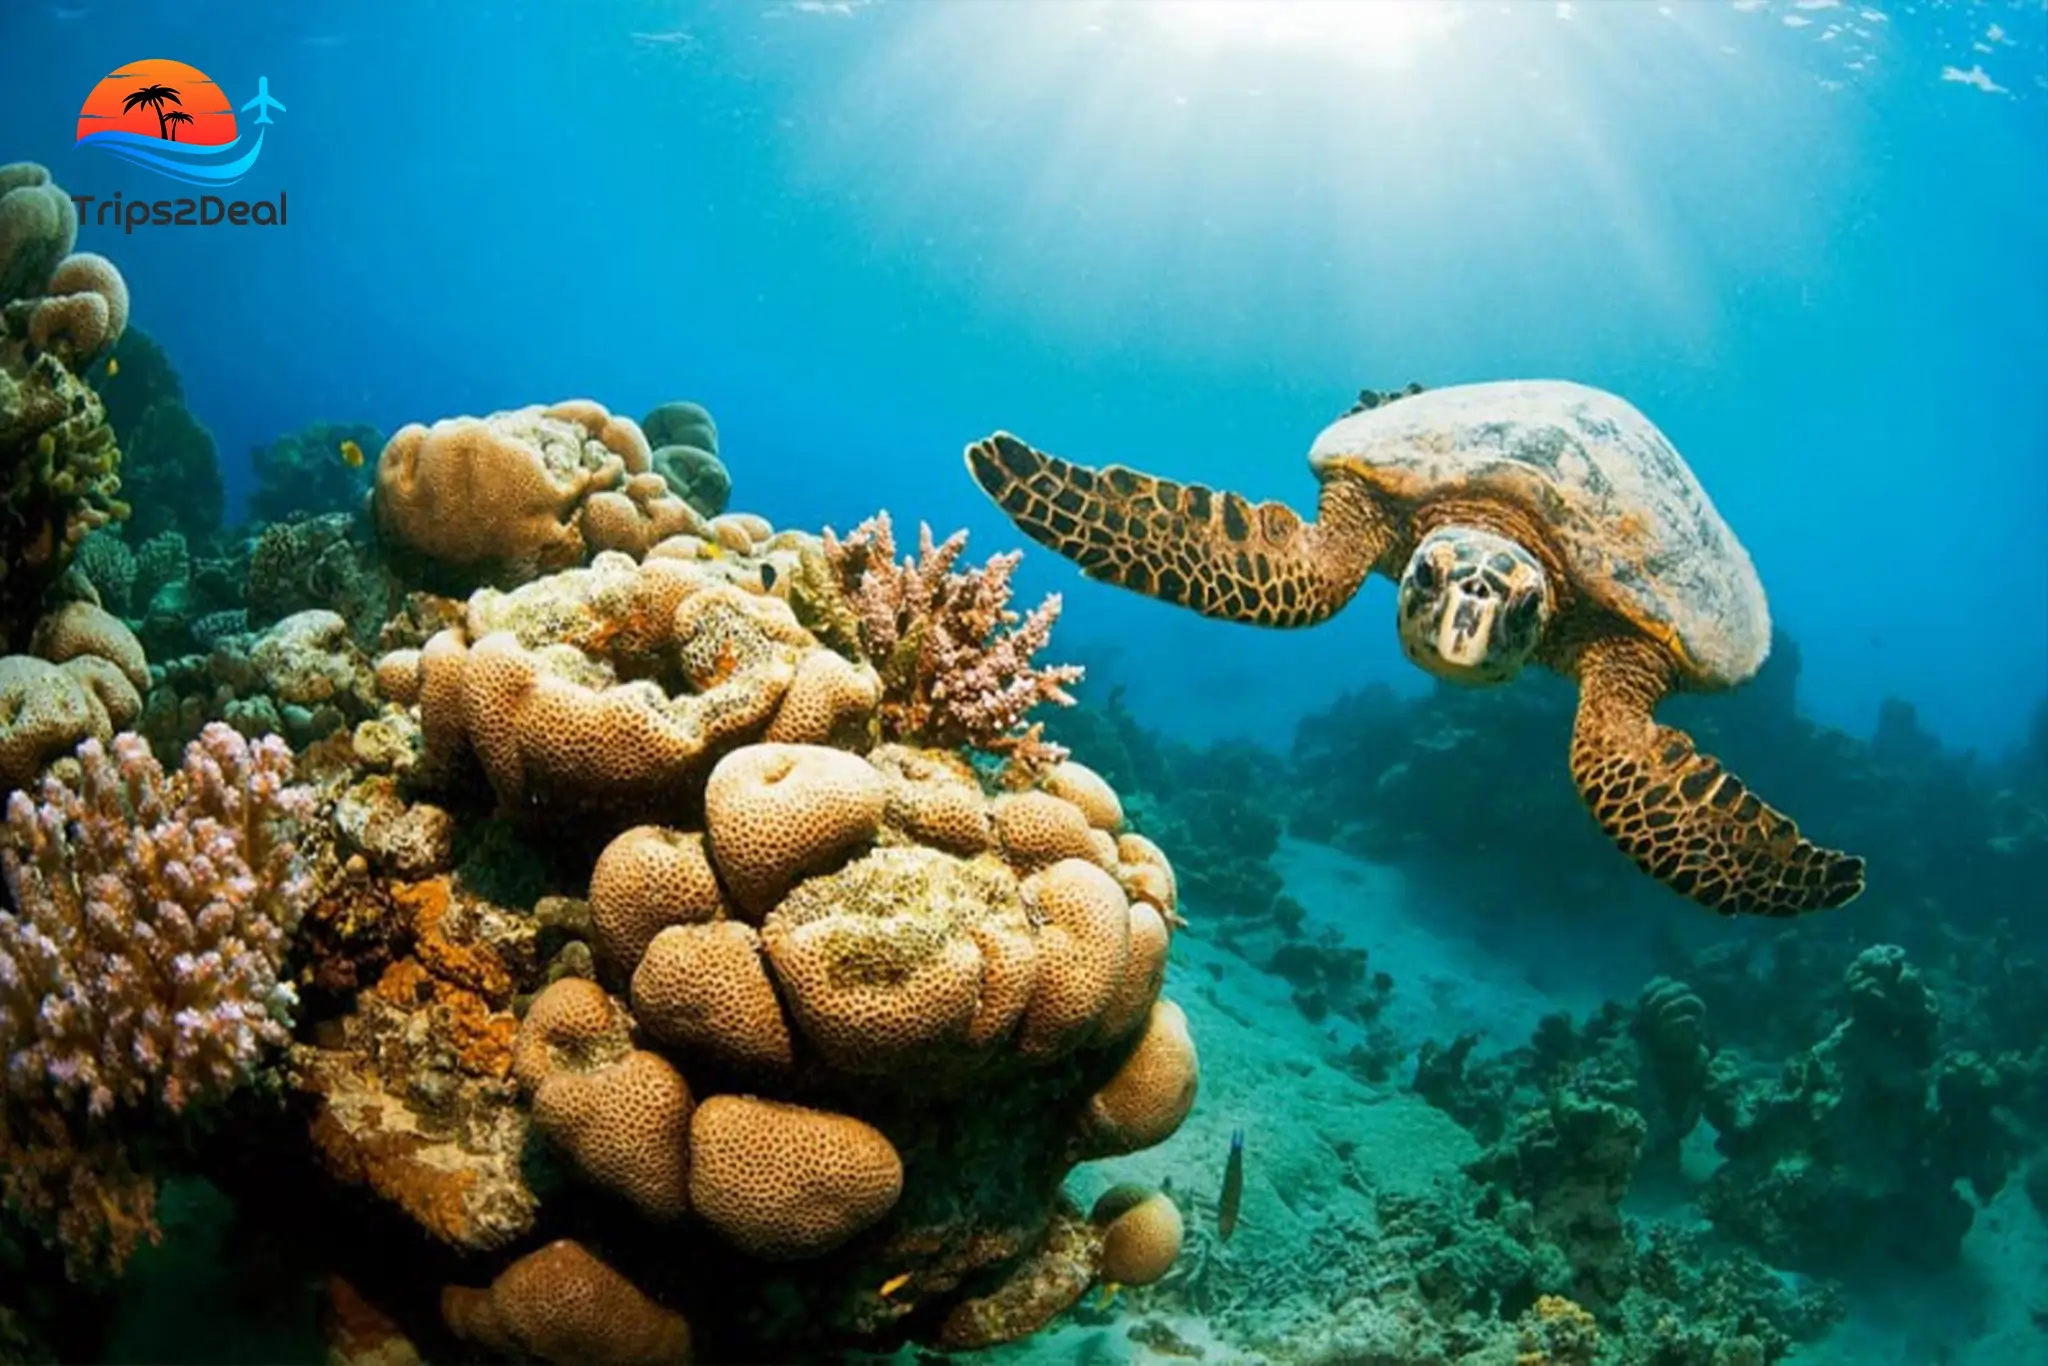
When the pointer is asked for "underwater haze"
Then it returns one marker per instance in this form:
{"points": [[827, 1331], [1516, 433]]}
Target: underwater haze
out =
{"points": [[1804, 239], [516, 848]]}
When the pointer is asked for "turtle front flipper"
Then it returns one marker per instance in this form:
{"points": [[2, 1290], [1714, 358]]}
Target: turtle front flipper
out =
{"points": [[1185, 544], [1683, 818]]}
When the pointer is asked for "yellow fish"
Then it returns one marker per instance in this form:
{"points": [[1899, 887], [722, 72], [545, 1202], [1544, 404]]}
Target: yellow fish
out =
{"points": [[894, 1284], [113, 367], [351, 455]]}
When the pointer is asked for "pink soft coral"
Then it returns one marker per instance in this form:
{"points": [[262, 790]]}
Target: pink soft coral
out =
{"points": [[955, 661]]}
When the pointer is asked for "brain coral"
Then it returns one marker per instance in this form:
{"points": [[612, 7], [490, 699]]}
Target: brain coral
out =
{"points": [[867, 1002]]}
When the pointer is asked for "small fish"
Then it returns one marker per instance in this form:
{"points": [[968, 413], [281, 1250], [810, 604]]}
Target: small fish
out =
{"points": [[1233, 1187], [894, 1284], [351, 455], [113, 367], [1109, 1289]]}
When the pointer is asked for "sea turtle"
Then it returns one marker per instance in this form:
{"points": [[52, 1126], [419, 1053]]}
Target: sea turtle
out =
{"points": [[1525, 520]]}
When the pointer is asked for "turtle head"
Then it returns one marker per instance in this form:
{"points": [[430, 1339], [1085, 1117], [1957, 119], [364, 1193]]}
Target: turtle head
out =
{"points": [[1472, 605]]}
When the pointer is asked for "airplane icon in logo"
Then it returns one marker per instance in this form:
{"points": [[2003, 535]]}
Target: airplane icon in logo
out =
{"points": [[262, 103]]}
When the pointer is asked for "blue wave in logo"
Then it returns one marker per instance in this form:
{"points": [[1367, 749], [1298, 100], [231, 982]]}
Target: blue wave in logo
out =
{"points": [[193, 165]]}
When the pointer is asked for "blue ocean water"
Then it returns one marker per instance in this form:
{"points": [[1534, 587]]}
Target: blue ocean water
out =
{"points": [[1809, 238], [1804, 238]]}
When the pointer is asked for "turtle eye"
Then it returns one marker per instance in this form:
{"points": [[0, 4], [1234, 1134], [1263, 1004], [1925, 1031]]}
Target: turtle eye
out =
{"points": [[1424, 573]]}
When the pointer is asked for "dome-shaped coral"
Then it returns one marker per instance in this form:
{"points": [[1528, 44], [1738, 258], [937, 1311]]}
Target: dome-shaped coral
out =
{"points": [[905, 959], [1084, 949], [622, 1112], [1150, 1094], [783, 1181], [560, 1304], [704, 990], [1141, 1234], [647, 879], [1037, 828], [776, 813]]}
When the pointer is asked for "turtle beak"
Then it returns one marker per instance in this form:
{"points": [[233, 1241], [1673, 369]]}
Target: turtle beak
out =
{"points": [[1464, 634]]}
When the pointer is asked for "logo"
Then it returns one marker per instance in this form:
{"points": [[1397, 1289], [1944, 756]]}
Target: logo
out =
{"points": [[172, 119]]}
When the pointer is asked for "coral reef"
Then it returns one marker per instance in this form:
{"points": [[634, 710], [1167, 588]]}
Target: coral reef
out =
{"points": [[84, 679], [58, 313], [304, 678], [1855, 1148], [140, 968], [847, 998], [322, 563]]}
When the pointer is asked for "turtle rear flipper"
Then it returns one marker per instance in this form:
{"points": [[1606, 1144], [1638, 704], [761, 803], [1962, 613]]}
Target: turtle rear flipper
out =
{"points": [[1185, 544], [1679, 814]]}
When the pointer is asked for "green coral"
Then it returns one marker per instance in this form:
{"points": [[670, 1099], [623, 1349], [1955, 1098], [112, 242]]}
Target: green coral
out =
{"points": [[685, 442]]}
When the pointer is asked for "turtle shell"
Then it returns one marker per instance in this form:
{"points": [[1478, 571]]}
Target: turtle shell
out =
{"points": [[1637, 532]]}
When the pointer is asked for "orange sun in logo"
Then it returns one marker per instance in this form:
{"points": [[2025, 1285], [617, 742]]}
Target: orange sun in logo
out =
{"points": [[158, 98]]}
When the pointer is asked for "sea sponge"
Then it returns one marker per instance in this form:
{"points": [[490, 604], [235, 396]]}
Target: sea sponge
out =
{"points": [[561, 1304], [647, 879], [80, 628], [1150, 1094], [778, 813], [783, 1181], [904, 960], [623, 1114], [934, 799], [1035, 829], [1084, 950], [1141, 1234], [704, 989], [494, 499]]}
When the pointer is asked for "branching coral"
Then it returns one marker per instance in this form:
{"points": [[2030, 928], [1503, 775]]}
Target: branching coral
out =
{"points": [[956, 663], [140, 966]]}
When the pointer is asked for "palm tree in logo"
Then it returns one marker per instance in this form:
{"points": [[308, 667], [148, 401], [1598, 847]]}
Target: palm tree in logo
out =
{"points": [[153, 98], [173, 119]]}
